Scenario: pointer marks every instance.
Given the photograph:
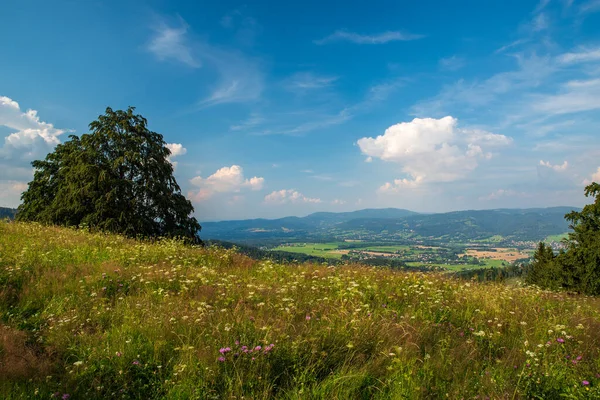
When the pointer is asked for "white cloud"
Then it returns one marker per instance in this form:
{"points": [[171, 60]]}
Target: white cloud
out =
{"points": [[225, 180], [594, 178], [400, 184], [289, 196], [176, 150], [369, 159], [576, 96], [33, 138], [584, 55], [240, 78], [558, 167], [252, 121], [431, 150], [10, 192], [338, 202], [500, 193], [303, 81], [380, 38], [531, 72], [172, 43]]}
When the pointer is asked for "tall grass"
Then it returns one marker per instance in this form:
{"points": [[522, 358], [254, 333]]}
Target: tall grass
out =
{"points": [[97, 316]]}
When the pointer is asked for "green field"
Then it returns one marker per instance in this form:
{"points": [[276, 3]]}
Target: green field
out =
{"points": [[556, 238], [98, 316], [324, 250]]}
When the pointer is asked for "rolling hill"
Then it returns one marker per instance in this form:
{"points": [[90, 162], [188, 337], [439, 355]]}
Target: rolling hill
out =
{"points": [[516, 224]]}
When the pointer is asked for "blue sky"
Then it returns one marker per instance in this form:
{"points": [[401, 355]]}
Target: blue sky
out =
{"points": [[279, 108]]}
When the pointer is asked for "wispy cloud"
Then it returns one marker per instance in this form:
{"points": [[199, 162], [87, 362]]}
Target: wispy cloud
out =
{"points": [[240, 77], [172, 43], [581, 56], [303, 81], [453, 63], [590, 6], [251, 122], [379, 38], [575, 96]]}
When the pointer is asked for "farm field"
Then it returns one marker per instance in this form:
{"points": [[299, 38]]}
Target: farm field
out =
{"points": [[415, 255], [97, 316]]}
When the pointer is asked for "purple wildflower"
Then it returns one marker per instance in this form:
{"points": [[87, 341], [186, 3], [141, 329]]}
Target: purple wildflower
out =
{"points": [[66, 396], [224, 350], [579, 358], [257, 348], [136, 362], [585, 383], [560, 340], [221, 359], [308, 317]]}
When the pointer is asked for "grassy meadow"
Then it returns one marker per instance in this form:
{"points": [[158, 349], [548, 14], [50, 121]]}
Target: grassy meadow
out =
{"points": [[96, 316]]}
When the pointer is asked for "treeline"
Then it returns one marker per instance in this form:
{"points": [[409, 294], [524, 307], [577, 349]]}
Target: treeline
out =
{"points": [[577, 268], [277, 256], [498, 274]]}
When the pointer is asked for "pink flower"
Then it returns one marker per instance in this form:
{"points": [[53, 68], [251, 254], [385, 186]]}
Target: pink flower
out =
{"points": [[560, 340], [308, 317], [221, 359], [257, 348], [585, 383]]}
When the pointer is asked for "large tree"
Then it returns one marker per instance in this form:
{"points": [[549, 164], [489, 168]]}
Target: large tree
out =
{"points": [[116, 178], [577, 268]]}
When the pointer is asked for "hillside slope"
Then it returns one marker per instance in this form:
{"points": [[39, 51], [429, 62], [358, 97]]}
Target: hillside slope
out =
{"points": [[98, 316]]}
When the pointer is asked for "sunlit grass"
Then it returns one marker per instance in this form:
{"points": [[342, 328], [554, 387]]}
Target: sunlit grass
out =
{"points": [[98, 316]]}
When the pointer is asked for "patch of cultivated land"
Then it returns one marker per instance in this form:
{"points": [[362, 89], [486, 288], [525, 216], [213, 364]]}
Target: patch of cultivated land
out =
{"points": [[96, 316], [499, 253]]}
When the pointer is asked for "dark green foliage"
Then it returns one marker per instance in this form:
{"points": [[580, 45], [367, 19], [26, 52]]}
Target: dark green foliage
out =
{"points": [[577, 268], [116, 178]]}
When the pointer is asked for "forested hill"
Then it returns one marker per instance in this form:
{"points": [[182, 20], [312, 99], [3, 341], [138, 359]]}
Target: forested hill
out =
{"points": [[517, 224], [7, 213]]}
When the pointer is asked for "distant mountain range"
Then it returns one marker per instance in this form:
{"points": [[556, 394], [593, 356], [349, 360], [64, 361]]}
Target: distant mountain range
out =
{"points": [[395, 224], [7, 212]]}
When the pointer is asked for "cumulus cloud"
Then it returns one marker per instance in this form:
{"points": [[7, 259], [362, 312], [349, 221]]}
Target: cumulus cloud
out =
{"points": [[558, 167], [400, 184], [225, 180], [379, 38], [176, 149], [594, 178], [289, 196], [33, 138], [431, 150]]}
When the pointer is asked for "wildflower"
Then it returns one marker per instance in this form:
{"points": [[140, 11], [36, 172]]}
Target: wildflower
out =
{"points": [[257, 348], [585, 383], [221, 359], [66, 396], [224, 350], [118, 354], [308, 317], [560, 340], [136, 362]]}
